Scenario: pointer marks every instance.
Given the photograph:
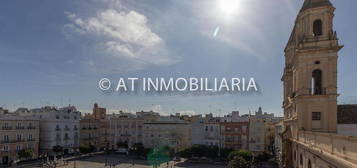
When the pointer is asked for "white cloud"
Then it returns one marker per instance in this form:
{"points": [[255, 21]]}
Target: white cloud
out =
{"points": [[124, 35]]}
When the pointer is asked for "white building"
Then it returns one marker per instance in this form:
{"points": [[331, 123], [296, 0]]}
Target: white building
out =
{"points": [[167, 131], [256, 135], [58, 128], [128, 127], [235, 117], [212, 131], [197, 127]]}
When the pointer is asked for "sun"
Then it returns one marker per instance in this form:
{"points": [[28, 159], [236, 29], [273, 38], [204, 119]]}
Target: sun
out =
{"points": [[229, 7]]}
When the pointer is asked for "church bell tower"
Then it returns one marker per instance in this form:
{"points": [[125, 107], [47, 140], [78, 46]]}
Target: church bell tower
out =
{"points": [[310, 74]]}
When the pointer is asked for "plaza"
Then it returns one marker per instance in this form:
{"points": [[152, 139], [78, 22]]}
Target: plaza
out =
{"points": [[118, 161]]}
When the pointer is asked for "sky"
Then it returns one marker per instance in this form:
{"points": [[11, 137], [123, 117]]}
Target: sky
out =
{"points": [[55, 52]]}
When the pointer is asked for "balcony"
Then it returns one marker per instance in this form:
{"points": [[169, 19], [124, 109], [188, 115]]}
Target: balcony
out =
{"points": [[58, 129], [20, 127], [5, 141], [67, 129], [330, 145], [31, 127], [12, 141], [317, 91], [6, 128]]}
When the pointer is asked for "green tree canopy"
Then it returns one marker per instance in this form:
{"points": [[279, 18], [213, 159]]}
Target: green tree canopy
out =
{"points": [[25, 153], [246, 155]]}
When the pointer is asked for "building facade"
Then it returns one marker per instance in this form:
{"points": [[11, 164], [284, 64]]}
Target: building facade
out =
{"points": [[234, 135], [257, 135], [59, 128], [310, 93], [95, 129], [212, 131], [18, 133], [126, 128], [167, 131]]}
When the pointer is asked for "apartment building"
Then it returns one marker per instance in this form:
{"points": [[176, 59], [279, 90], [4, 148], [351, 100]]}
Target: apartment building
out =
{"points": [[95, 129], [167, 131], [59, 128], [126, 128], [234, 135], [17, 133]]}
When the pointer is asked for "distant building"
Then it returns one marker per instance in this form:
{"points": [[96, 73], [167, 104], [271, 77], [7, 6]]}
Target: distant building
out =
{"points": [[257, 135], [167, 131], [197, 126], [95, 129], [347, 120], [234, 135], [212, 132], [18, 133], [59, 128]]}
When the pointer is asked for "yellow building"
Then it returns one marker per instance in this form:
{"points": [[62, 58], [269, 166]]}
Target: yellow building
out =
{"points": [[310, 93], [95, 129]]}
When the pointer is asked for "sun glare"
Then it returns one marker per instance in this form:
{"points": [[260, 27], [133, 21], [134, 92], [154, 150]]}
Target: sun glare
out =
{"points": [[229, 7]]}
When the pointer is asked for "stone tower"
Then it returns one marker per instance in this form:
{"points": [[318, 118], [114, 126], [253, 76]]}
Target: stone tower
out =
{"points": [[310, 74]]}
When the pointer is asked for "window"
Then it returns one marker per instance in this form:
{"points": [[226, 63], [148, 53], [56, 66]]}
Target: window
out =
{"points": [[316, 82], [6, 148], [309, 164], [316, 116], [301, 160], [18, 148], [18, 137], [317, 27], [6, 138]]}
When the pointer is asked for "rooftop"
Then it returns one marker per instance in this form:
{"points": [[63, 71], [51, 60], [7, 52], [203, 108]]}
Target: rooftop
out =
{"points": [[347, 114]]}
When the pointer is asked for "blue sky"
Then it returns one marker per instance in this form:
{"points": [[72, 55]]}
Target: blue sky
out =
{"points": [[55, 52]]}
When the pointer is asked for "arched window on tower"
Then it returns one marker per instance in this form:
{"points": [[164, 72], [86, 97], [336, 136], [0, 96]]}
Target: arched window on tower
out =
{"points": [[316, 82], [317, 27]]}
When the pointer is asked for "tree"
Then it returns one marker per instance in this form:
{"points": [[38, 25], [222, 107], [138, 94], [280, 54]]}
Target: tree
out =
{"points": [[138, 149], [85, 148], [246, 155], [25, 153], [263, 157], [224, 153], [238, 162], [57, 149]]}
